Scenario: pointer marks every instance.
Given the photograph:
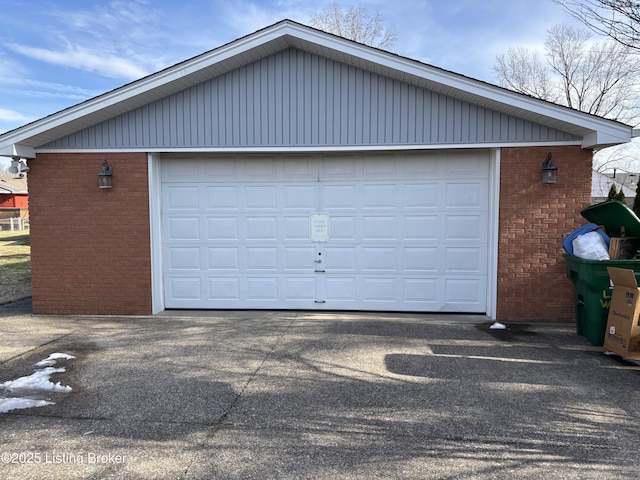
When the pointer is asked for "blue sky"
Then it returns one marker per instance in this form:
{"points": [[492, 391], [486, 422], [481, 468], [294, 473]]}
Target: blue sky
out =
{"points": [[57, 53]]}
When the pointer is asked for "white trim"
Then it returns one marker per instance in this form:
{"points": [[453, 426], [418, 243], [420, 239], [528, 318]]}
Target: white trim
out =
{"points": [[310, 149], [155, 199], [493, 234], [155, 233]]}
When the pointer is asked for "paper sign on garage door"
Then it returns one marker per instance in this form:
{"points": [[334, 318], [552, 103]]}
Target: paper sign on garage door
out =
{"points": [[319, 227]]}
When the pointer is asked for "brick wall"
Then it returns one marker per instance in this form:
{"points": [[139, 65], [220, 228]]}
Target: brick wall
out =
{"points": [[91, 253], [90, 246], [532, 284]]}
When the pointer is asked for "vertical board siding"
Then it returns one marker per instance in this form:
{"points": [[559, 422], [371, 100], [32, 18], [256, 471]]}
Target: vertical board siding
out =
{"points": [[297, 99]]}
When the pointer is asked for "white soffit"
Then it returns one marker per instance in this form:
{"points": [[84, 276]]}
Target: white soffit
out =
{"points": [[288, 34]]}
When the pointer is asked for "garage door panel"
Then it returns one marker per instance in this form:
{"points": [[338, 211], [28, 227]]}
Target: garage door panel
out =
{"points": [[404, 232], [261, 228], [465, 227], [223, 259], [461, 164], [225, 289], [262, 289], [299, 197], [261, 198], [339, 198], [340, 167], [379, 228], [379, 259], [420, 259], [379, 290], [296, 228], [422, 195], [183, 228], [261, 168], [422, 227], [465, 259], [422, 292], [182, 198], [339, 259], [223, 228], [184, 288], [463, 291], [222, 198], [262, 258], [343, 228], [223, 169], [300, 167], [376, 197], [339, 289], [299, 258], [185, 258], [379, 167], [465, 195], [300, 289]]}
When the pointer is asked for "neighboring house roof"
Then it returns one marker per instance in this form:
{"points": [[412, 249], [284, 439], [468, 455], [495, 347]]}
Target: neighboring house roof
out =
{"points": [[630, 179], [601, 184], [10, 184], [23, 141]]}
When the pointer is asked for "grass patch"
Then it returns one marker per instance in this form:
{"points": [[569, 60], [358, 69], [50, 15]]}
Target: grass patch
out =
{"points": [[15, 266]]}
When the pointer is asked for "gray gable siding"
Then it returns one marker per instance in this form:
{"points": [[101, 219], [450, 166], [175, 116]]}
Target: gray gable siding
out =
{"points": [[294, 98]]}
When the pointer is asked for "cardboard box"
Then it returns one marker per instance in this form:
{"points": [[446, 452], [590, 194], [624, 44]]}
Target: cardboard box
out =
{"points": [[622, 335], [624, 248]]}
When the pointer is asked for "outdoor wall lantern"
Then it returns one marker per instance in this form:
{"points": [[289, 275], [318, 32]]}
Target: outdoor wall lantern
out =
{"points": [[105, 175], [549, 171], [18, 166]]}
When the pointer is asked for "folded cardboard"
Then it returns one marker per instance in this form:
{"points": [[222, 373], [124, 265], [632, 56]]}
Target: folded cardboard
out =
{"points": [[622, 335]]}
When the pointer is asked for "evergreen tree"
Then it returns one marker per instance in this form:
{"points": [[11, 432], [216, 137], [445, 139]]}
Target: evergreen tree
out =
{"points": [[613, 192], [636, 201]]}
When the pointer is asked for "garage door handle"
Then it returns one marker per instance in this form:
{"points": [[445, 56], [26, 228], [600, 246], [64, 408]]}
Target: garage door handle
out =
{"points": [[319, 271], [320, 301]]}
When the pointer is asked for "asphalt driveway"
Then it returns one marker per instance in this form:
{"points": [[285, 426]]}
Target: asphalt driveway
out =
{"points": [[237, 395]]}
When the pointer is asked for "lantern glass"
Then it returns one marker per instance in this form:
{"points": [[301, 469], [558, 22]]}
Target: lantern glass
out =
{"points": [[105, 180], [549, 175], [549, 171], [104, 177]]}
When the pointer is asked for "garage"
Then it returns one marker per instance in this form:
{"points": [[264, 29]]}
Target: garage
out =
{"points": [[395, 231], [293, 169]]}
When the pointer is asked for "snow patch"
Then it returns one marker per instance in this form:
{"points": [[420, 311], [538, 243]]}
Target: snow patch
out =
{"points": [[51, 359], [498, 326], [38, 384], [8, 404], [38, 380]]}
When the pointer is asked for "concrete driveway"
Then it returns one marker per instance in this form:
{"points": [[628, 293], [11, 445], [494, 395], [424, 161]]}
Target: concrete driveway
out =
{"points": [[267, 395]]}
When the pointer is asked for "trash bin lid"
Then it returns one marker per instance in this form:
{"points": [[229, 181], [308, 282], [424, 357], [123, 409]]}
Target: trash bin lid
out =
{"points": [[613, 215]]}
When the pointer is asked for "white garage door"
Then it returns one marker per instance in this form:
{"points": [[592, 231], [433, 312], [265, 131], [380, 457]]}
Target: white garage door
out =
{"points": [[395, 232]]}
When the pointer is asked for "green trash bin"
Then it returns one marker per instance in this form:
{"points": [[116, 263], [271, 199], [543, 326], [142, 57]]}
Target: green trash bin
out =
{"points": [[592, 286], [592, 290]]}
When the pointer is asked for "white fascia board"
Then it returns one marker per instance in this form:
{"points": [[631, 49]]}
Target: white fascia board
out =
{"points": [[602, 139], [17, 151]]}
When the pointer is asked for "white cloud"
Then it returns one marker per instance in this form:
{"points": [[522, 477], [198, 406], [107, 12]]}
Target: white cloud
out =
{"points": [[7, 115], [84, 59]]}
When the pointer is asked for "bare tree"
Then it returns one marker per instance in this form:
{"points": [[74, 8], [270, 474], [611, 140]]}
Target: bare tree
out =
{"points": [[597, 77], [355, 24], [617, 19], [522, 71]]}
